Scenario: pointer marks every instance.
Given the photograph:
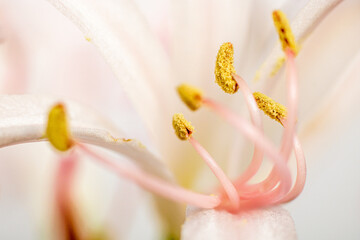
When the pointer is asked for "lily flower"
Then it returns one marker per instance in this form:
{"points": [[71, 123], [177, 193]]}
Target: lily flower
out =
{"points": [[140, 63]]}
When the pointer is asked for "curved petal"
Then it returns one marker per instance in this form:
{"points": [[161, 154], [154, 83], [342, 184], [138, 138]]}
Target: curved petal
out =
{"points": [[273, 223], [135, 55], [60, 63], [23, 119]]}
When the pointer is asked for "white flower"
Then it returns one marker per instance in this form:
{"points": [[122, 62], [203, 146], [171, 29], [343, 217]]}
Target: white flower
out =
{"points": [[148, 74]]}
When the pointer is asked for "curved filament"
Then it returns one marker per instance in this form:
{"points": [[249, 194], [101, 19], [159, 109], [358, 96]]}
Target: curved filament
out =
{"points": [[256, 120], [154, 184], [228, 186]]}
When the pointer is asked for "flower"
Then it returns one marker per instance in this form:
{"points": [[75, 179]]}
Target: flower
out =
{"points": [[139, 90]]}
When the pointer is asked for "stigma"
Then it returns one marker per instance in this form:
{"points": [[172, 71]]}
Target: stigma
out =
{"points": [[286, 36], [190, 95], [271, 108], [57, 130], [183, 128], [224, 69]]}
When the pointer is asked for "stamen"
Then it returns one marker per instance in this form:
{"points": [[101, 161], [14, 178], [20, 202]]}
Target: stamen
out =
{"points": [[272, 180], [229, 188], [183, 128], [190, 95], [224, 69], [292, 104], [256, 120], [289, 139], [154, 184], [57, 128], [271, 108], [278, 112], [253, 134], [285, 34], [59, 136], [300, 173]]}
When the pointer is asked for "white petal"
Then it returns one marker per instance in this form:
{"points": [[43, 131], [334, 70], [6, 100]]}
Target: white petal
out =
{"points": [[273, 223], [135, 55], [60, 63], [23, 119]]}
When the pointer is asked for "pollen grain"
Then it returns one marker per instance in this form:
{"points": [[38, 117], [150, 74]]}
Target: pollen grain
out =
{"points": [[183, 128], [271, 108], [224, 69]]}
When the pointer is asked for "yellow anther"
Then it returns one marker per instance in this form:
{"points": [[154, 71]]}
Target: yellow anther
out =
{"points": [[270, 107], [285, 34], [190, 95], [224, 69], [183, 128], [57, 128]]}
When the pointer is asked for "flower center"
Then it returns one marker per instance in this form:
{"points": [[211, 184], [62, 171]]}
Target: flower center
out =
{"points": [[238, 194], [276, 188]]}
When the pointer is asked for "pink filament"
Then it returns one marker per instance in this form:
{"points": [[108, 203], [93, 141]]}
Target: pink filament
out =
{"points": [[255, 135], [256, 120], [229, 188], [272, 180], [300, 174], [292, 100], [154, 184], [276, 188], [289, 133], [290, 122]]}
